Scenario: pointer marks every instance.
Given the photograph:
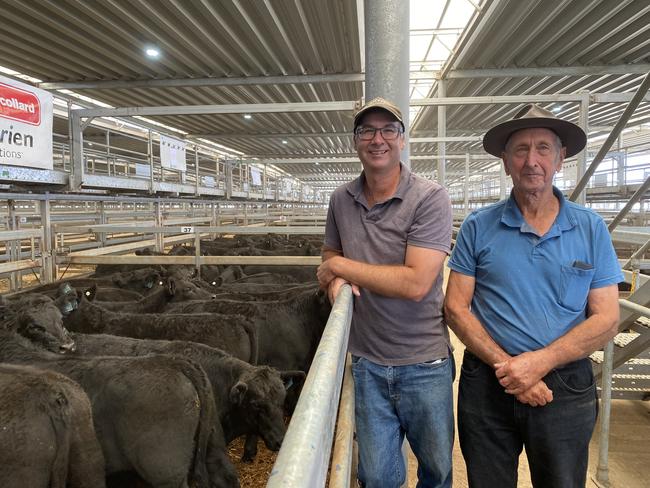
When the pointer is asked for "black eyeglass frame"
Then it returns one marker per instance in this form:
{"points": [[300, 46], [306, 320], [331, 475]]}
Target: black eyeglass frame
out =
{"points": [[373, 131]]}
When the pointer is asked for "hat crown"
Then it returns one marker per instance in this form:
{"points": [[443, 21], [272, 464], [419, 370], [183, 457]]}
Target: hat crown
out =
{"points": [[534, 111], [382, 104]]}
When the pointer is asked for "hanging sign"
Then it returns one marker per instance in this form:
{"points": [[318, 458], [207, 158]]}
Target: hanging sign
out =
{"points": [[25, 125], [256, 176], [172, 153]]}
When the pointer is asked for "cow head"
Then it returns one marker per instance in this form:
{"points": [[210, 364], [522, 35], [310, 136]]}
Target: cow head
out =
{"points": [[39, 319], [259, 397], [187, 290]]}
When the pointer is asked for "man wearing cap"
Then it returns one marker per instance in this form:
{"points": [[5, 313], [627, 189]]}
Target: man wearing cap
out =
{"points": [[532, 292], [387, 234]]}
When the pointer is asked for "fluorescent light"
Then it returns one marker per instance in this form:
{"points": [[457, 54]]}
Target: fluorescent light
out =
{"points": [[152, 52], [248, 116], [284, 141]]}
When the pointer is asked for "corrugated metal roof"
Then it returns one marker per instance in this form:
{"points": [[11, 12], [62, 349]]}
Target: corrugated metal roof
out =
{"points": [[82, 41]]}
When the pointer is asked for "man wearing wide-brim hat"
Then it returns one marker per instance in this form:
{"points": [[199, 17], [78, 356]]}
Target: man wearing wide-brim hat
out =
{"points": [[532, 292]]}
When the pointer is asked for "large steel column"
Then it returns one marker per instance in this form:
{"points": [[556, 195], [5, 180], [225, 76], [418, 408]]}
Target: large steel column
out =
{"points": [[387, 56], [442, 132]]}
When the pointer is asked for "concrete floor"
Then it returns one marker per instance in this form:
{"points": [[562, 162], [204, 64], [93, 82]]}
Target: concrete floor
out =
{"points": [[629, 446]]}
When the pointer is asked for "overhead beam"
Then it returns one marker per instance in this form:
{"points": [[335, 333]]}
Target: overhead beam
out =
{"points": [[179, 82], [355, 159], [240, 108], [622, 69], [346, 77], [337, 106], [278, 135]]}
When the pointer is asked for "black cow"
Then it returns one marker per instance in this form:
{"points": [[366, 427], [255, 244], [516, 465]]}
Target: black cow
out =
{"points": [[249, 399], [296, 324], [233, 333], [47, 436], [172, 290], [154, 415]]}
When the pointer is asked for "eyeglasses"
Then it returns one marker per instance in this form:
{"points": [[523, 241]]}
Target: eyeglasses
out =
{"points": [[389, 132]]}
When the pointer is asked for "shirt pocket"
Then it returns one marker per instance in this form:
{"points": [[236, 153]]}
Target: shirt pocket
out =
{"points": [[574, 287]]}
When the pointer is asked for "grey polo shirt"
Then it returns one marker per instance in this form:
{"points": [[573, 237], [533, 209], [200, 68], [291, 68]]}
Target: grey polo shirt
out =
{"points": [[393, 331]]}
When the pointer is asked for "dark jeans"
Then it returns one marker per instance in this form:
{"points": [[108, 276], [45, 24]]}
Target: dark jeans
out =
{"points": [[493, 427]]}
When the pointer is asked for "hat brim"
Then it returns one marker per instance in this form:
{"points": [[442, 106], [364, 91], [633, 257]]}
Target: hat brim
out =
{"points": [[572, 136]]}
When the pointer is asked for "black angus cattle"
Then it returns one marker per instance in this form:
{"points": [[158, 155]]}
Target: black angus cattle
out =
{"points": [[265, 294], [249, 399], [288, 331], [47, 438], [171, 290], [235, 334], [299, 273], [37, 315], [138, 280], [153, 415]]}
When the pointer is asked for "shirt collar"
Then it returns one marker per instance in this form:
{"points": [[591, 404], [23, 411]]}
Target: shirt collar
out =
{"points": [[512, 217], [355, 187]]}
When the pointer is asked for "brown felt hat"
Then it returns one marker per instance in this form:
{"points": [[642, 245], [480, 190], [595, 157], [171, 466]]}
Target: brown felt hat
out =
{"points": [[534, 116], [378, 104]]}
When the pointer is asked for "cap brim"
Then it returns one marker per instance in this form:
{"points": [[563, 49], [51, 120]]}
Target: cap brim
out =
{"points": [[572, 136]]}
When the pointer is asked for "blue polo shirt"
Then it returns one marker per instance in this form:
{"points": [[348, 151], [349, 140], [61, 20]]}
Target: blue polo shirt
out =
{"points": [[530, 290]]}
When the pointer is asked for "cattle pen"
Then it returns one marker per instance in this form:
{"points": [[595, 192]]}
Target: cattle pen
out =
{"points": [[168, 170]]}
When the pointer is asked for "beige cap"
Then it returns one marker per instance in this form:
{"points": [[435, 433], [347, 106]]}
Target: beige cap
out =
{"points": [[382, 104]]}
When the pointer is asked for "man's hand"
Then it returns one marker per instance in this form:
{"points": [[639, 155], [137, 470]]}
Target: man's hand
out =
{"points": [[519, 373], [536, 396], [335, 286], [325, 273]]}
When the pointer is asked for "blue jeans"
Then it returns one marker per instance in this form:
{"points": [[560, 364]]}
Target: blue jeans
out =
{"points": [[394, 401], [493, 427]]}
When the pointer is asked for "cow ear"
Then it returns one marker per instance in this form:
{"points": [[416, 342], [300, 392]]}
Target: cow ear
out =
{"points": [[238, 392], [90, 293], [292, 378], [171, 287]]}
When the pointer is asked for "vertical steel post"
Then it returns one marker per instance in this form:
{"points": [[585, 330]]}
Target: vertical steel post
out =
{"points": [[48, 273], [581, 157], [602, 472], [150, 158], [77, 170], [387, 56], [502, 182], [197, 175], [466, 186], [442, 132]]}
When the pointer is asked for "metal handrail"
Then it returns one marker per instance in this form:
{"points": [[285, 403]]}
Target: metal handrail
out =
{"points": [[304, 457]]}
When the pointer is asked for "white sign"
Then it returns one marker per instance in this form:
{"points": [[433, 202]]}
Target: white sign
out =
{"points": [[25, 125], [172, 153], [209, 181], [142, 169], [256, 176], [187, 230]]}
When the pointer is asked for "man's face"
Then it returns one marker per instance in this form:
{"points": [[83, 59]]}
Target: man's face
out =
{"points": [[378, 153], [532, 157]]}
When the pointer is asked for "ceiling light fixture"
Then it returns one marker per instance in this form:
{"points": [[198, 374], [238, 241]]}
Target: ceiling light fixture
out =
{"points": [[152, 52], [248, 116], [284, 141]]}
